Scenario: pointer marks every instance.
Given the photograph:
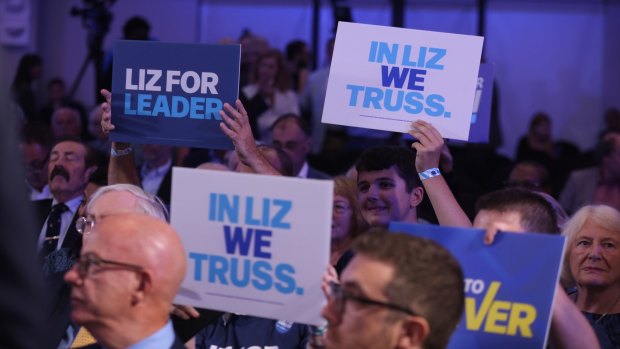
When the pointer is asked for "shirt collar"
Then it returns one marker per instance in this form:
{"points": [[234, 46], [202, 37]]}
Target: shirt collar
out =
{"points": [[72, 204], [161, 170], [163, 338], [303, 173]]}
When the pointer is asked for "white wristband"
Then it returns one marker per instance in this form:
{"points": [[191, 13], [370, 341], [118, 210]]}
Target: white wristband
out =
{"points": [[120, 152], [430, 173]]}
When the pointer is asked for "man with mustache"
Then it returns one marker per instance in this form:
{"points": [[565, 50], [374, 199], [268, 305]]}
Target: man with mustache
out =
{"points": [[70, 166]]}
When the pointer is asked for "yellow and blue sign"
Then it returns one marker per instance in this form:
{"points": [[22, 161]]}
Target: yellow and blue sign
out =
{"points": [[165, 93], [509, 285]]}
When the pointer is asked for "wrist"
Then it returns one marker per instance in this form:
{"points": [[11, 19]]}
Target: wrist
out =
{"points": [[429, 173], [116, 151]]}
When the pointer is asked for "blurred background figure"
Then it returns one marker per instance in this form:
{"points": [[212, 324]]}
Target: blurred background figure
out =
{"points": [[23, 89], [347, 220], [66, 123], [270, 94], [529, 175], [298, 61], [35, 146], [57, 98]]}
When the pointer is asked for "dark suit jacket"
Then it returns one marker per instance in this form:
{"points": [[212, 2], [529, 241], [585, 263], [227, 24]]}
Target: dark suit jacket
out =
{"points": [[176, 345], [316, 174], [165, 188], [55, 265]]}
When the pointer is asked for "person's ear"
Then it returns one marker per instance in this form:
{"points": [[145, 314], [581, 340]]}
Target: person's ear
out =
{"points": [[414, 331], [145, 284], [416, 196], [308, 145]]}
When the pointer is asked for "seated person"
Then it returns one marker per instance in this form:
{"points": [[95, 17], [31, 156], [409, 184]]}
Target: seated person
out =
{"points": [[592, 269], [130, 269]]}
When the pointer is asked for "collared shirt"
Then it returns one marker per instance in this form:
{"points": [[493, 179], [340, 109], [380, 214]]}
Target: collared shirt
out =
{"points": [[163, 338], [303, 173], [45, 193], [151, 179], [66, 219]]}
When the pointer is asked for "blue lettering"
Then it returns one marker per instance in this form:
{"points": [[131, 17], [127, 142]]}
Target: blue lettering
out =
{"points": [[128, 110], [414, 76], [413, 105], [435, 105], [212, 108], [261, 241], [161, 106], [373, 52], [422, 55], [212, 206], [373, 95], [198, 259], [434, 60], [386, 53], [249, 211], [406, 56], [195, 107], [261, 271], [392, 76], [278, 219], [288, 281], [218, 267], [393, 105], [355, 90], [180, 107], [266, 212], [227, 211], [144, 103], [244, 280], [237, 239]]}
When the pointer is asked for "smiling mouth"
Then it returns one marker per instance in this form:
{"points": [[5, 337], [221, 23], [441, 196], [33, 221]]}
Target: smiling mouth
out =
{"points": [[593, 270]]}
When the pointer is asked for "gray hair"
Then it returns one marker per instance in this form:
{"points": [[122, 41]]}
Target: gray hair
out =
{"points": [[147, 203], [604, 216]]}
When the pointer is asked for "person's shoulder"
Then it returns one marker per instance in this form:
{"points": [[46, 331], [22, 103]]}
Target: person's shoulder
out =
{"points": [[316, 174]]}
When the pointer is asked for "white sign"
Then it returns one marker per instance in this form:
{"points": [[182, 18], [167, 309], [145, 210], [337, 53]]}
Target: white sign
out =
{"points": [[256, 245], [385, 78]]}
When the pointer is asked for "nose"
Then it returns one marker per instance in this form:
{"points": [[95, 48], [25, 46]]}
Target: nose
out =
{"points": [[594, 252], [330, 312], [72, 277]]}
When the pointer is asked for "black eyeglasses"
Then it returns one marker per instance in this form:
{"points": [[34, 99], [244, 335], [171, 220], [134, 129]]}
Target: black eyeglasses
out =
{"points": [[84, 225], [85, 262], [340, 297]]}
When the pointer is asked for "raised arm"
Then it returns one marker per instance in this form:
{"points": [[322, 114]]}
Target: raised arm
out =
{"points": [[236, 125], [569, 328], [122, 167], [429, 146]]}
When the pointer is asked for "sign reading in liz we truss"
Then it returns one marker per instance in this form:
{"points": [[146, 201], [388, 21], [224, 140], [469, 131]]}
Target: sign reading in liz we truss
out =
{"points": [[384, 78], [256, 245], [509, 285], [166, 93]]}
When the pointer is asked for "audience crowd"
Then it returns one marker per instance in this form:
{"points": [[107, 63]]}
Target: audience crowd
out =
{"points": [[112, 264]]}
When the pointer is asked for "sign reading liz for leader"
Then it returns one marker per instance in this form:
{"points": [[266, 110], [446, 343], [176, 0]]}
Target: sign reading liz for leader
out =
{"points": [[256, 245], [509, 285], [166, 93], [384, 78]]}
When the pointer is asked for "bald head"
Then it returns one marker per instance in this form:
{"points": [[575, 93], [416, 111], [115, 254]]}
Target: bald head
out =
{"points": [[145, 241]]}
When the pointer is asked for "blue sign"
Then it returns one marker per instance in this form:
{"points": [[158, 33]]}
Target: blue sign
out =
{"points": [[172, 93], [481, 116], [509, 285]]}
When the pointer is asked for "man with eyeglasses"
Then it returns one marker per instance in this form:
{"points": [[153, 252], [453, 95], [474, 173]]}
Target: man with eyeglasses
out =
{"points": [[398, 291], [292, 134], [130, 269]]}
